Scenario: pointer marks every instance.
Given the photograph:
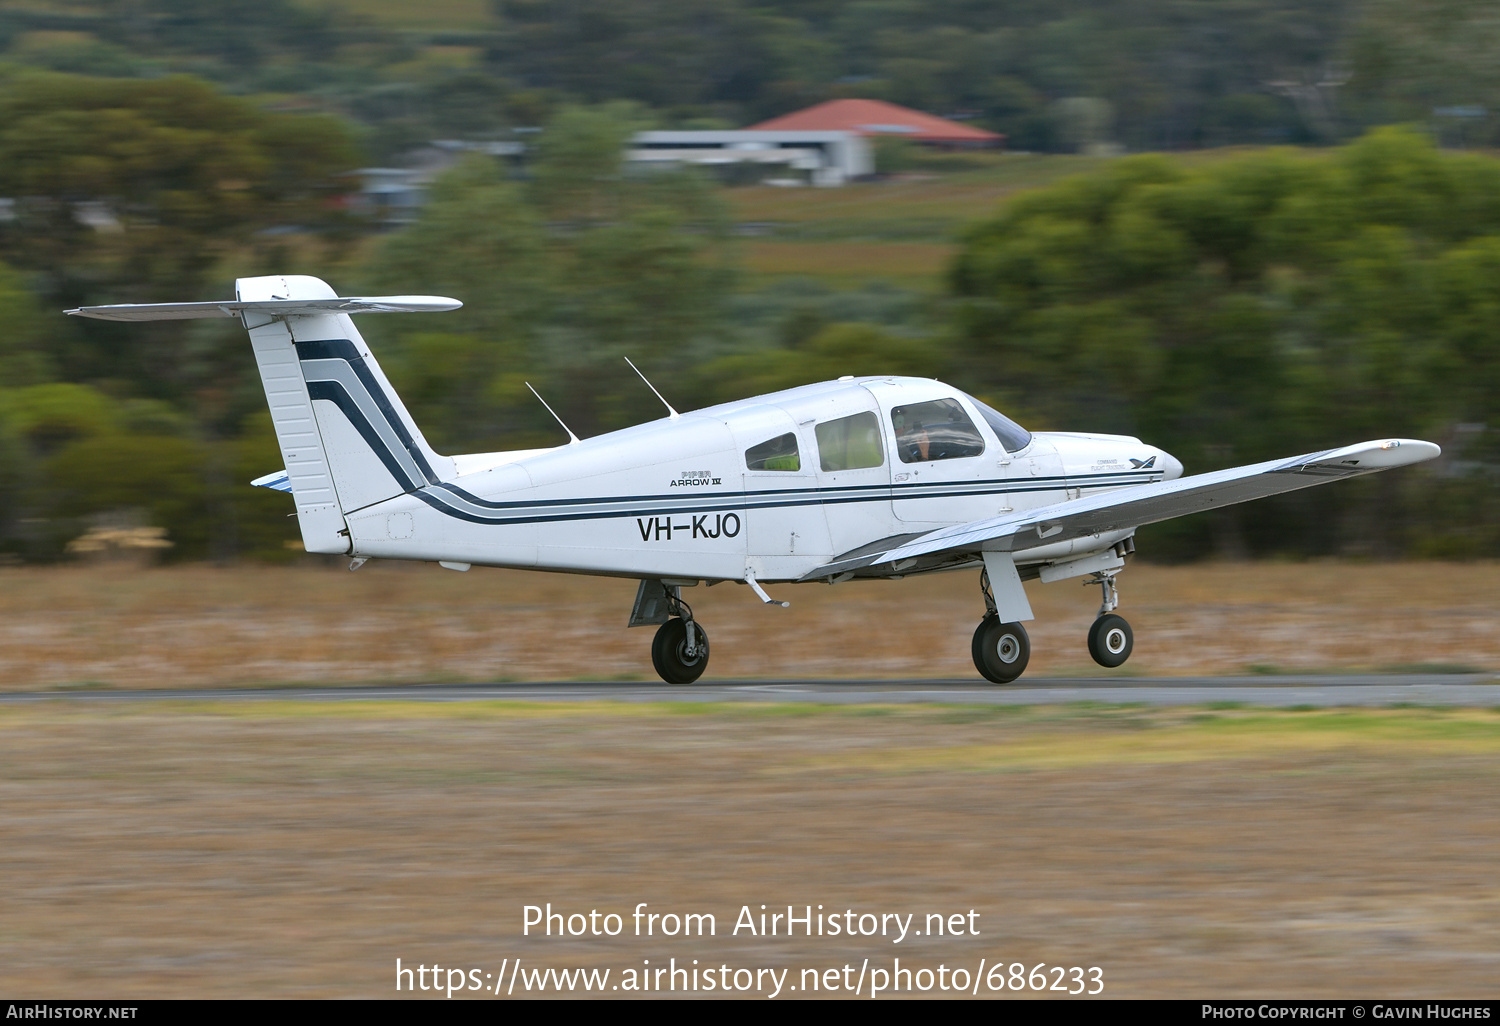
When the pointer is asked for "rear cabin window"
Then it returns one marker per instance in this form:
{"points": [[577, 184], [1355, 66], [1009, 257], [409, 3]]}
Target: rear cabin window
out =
{"points": [[850, 443], [939, 430], [779, 453]]}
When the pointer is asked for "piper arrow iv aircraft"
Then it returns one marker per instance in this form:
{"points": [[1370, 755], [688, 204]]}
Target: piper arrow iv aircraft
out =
{"points": [[856, 478]]}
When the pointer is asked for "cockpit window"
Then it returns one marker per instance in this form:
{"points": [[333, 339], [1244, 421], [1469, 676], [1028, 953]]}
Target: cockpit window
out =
{"points": [[1012, 435], [779, 453], [850, 443], [939, 430]]}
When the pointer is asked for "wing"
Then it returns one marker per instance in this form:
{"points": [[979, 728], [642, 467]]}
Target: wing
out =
{"points": [[1144, 504]]}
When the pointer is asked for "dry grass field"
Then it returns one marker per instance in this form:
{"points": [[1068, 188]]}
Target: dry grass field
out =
{"points": [[269, 849], [117, 627]]}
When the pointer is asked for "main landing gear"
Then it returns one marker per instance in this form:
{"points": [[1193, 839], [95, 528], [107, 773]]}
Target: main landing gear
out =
{"points": [[680, 649], [1002, 650]]}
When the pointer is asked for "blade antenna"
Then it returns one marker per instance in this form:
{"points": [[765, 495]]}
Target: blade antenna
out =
{"points": [[647, 380], [572, 438]]}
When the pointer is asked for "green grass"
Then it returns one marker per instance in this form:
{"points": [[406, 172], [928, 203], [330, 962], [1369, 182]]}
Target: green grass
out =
{"points": [[929, 205], [902, 230]]}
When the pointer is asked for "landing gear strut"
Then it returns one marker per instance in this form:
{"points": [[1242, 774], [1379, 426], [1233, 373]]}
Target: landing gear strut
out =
{"points": [[680, 649], [1110, 637], [1001, 650]]}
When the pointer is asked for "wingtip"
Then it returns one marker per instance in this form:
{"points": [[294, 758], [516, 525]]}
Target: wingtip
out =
{"points": [[1390, 452]]}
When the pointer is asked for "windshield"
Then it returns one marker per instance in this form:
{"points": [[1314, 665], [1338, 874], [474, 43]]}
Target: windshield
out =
{"points": [[1012, 435]]}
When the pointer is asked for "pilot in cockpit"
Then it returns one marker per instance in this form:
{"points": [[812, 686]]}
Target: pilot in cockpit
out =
{"points": [[912, 440]]}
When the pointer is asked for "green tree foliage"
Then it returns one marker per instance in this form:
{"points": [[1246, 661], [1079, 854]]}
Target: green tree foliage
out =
{"points": [[1174, 74], [561, 278], [1429, 60], [136, 191], [1256, 306], [160, 476], [137, 188], [832, 352], [24, 337], [70, 453], [1151, 74]]}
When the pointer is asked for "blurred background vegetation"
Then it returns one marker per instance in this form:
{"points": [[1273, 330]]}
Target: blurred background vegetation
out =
{"points": [[1238, 228]]}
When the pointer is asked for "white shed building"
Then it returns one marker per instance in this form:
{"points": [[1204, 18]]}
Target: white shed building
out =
{"points": [[819, 158]]}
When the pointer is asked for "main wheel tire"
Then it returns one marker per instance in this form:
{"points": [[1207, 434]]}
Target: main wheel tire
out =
{"points": [[670, 656], [1110, 640], [1001, 650], [976, 647]]}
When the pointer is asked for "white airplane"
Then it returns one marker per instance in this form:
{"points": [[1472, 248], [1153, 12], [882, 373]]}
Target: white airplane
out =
{"points": [[861, 477]]}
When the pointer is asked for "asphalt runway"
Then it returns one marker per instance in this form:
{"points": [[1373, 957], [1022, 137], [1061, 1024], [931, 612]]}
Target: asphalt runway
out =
{"points": [[1289, 691]]}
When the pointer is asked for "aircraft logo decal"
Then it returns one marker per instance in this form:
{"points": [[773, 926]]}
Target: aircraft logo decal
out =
{"points": [[1143, 464]]}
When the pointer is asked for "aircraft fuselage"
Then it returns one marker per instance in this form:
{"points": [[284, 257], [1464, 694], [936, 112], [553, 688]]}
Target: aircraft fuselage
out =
{"points": [[776, 485]]}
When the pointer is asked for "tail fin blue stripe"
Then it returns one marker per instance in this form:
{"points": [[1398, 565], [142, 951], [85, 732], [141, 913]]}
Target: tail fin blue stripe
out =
{"points": [[344, 351]]}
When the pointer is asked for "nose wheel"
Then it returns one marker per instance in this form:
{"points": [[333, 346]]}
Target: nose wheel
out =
{"points": [[1110, 640]]}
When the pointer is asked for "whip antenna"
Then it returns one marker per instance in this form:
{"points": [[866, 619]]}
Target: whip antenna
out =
{"points": [[572, 438], [647, 380]]}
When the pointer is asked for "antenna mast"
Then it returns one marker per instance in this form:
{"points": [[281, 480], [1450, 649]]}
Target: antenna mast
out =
{"points": [[572, 438], [647, 380]]}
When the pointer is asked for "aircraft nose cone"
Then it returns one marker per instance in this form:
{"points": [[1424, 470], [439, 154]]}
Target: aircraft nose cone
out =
{"points": [[1171, 466]]}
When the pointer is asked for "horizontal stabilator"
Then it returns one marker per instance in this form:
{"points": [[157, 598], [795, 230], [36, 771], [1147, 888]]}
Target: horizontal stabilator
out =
{"points": [[269, 307]]}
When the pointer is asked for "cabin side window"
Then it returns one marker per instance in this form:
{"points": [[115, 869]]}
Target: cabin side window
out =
{"points": [[850, 443], [779, 453], [939, 430]]}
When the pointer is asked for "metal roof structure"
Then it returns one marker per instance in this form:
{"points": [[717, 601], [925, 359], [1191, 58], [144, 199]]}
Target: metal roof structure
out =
{"points": [[876, 117]]}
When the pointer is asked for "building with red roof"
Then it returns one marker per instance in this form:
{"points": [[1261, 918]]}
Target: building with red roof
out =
{"points": [[876, 117]]}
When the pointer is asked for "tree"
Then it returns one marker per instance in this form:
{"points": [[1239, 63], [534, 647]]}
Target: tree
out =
{"points": [[1236, 311], [138, 186], [561, 278], [833, 351]]}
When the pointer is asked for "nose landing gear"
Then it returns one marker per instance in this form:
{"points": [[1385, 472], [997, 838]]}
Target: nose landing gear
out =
{"points": [[1110, 638]]}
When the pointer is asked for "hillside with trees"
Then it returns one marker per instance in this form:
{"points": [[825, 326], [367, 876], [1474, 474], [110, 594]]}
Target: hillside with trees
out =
{"points": [[1228, 304], [1056, 75]]}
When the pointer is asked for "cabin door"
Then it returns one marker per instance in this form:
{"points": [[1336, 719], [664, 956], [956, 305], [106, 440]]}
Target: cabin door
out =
{"points": [[785, 533], [853, 469]]}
